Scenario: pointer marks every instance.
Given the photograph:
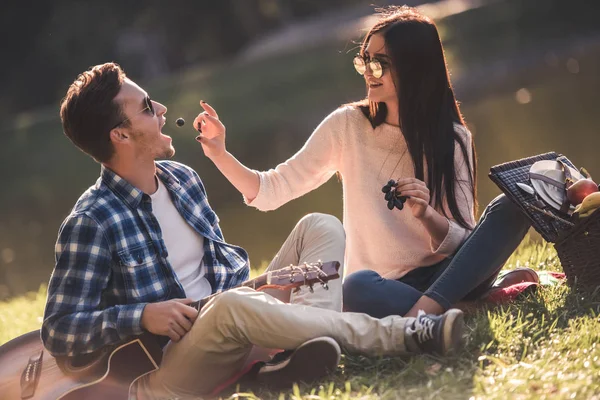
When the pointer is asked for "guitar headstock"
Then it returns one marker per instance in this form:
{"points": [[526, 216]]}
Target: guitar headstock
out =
{"points": [[290, 277], [307, 274]]}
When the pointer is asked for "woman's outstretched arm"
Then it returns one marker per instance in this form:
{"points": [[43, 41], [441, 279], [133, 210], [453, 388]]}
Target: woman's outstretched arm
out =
{"points": [[308, 169], [212, 139]]}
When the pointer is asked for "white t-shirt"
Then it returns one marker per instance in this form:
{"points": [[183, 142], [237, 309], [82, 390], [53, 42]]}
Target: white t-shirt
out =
{"points": [[184, 245]]}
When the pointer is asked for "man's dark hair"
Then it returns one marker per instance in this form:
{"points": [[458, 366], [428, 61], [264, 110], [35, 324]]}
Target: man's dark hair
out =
{"points": [[88, 112]]}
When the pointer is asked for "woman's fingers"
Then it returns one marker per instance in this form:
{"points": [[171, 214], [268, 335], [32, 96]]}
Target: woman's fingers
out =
{"points": [[419, 194], [403, 181], [204, 118], [412, 185], [413, 188], [209, 110], [209, 126], [198, 122], [213, 121], [416, 200]]}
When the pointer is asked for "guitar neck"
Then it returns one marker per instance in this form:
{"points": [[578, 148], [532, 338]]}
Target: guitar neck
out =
{"points": [[287, 278], [252, 283]]}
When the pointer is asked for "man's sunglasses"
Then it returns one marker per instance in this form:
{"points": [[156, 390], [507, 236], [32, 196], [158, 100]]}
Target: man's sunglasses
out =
{"points": [[377, 66], [148, 107]]}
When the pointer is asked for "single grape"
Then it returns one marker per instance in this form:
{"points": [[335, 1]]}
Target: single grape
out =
{"points": [[390, 204], [389, 196], [386, 189], [398, 204], [391, 182]]}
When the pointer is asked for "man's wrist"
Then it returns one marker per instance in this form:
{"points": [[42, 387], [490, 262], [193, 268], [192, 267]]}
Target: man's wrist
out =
{"points": [[144, 316]]}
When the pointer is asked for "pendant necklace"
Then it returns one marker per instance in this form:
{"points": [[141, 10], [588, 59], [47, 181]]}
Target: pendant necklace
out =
{"points": [[392, 195]]}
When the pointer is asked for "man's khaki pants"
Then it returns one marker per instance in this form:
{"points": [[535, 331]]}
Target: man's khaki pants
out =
{"points": [[217, 346]]}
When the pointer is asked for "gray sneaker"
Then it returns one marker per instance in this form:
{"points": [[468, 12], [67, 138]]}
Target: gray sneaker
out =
{"points": [[311, 361], [436, 334]]}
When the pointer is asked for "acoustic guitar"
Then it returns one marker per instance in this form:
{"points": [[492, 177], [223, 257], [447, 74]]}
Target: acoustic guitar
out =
{"points": [[28, 371]]}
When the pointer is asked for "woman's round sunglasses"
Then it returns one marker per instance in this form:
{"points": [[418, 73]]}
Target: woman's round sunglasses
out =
{"points": [[376, 65], [149, 107]]}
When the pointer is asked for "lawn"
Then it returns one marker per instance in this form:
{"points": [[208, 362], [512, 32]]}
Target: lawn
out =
{"points": [[545, 346]]}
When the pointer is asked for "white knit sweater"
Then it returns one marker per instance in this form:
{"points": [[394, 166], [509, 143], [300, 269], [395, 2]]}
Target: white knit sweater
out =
{"points": [[389, 242]]}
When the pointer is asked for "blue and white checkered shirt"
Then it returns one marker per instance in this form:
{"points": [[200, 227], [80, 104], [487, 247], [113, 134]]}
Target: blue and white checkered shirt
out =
{"points": [[111, 260]]}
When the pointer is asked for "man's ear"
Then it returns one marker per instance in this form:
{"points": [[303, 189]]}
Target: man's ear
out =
{"points": [[118, 135]]}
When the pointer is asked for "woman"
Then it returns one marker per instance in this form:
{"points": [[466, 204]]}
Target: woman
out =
{"points": [[429, 255]]}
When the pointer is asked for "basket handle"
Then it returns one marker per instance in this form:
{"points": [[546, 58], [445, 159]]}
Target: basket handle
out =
{"points": [[549, 214], [564, 207]]}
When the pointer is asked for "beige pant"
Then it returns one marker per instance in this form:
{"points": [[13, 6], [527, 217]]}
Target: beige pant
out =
{"points": [[216, 347], [315, 237]]}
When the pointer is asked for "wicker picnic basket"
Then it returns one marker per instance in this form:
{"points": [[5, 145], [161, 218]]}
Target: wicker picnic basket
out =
{"points": [[577, 241], [579, 252]]}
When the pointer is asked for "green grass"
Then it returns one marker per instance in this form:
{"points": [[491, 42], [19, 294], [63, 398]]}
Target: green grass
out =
{"points": [[545, 346]]}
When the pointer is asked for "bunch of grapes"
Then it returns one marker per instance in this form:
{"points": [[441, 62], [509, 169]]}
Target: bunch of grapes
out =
{"points": [[392, 195]]}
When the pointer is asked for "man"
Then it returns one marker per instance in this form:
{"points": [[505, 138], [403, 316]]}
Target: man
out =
{"points": [[143, 242]]}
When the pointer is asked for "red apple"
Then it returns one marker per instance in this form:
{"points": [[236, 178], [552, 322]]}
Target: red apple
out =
{"points": [[577, 192]]}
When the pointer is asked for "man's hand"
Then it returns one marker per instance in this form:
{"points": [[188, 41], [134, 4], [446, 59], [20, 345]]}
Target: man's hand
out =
{"points": [[173, 318], [212, 131]]}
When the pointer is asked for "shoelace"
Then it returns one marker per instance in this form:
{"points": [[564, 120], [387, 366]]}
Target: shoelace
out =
{"points": [[423, 327]]}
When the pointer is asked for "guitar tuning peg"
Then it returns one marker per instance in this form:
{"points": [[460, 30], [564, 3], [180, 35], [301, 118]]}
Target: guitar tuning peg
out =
{"points": [[325, 285]]}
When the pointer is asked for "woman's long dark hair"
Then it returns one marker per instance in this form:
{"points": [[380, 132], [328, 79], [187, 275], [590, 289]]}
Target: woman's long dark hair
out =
{"points": [[427, 106]]}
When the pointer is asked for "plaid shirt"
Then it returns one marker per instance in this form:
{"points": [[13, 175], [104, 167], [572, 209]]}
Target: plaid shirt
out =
{"points": [[111, 260]]}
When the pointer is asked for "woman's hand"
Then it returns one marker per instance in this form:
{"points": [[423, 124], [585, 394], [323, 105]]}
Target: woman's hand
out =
{"points": [[212, 131], [418, 195]]}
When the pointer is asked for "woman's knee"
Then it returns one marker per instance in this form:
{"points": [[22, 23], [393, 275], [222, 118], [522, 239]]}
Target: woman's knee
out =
{"points": [[506, 208], [357, 287], [506, 216]]}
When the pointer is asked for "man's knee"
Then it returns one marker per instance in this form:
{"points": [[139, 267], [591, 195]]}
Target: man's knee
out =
{"points": [[319, 223], [233, 299]]}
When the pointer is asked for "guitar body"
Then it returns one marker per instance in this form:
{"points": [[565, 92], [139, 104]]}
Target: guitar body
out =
{"points": [[28, 371]]}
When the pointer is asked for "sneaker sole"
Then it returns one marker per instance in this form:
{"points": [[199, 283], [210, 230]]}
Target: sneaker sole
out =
{"points": [[454, 327], [311, 361], [531, 276]]}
